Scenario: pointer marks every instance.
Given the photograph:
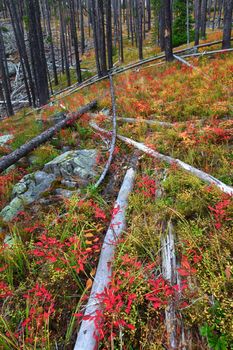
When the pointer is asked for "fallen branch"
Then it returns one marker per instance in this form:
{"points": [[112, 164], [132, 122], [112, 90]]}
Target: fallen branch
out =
{"points": [[22, 151], [207, 53], [15, 102], [87, 333], [198, 173], [114, 133], [178, 58], [149, 122], [137, 120]]}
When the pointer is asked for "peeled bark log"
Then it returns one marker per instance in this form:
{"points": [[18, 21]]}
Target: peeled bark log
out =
{"points": [[114, 133], [198, 173], [22, 151], [86, 336], [169, 271]]}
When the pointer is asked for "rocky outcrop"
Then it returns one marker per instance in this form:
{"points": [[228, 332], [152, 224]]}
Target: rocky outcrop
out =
{"points": [[72, 169], [73, 165]]}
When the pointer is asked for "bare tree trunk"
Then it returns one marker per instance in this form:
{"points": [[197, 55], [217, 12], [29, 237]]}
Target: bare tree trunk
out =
{"points": [[214, 17], [82, 28], [19, 36], [75, 40], [120, 35], [227, 24], [109, 32], [139, 28], [48, 16], [197, 15], [161, 27], [203, 18], [101, 37], [37, 51], [4, 77], [96, 44], [168, 30], [220, 12], [64, 48]]}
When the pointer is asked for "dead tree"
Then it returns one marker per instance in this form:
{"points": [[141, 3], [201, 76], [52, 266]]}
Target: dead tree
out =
{"points": [[227, 24], [197, 15], [168, 30], [203, 18], [4, 76], [37, 51], [75, 40]]}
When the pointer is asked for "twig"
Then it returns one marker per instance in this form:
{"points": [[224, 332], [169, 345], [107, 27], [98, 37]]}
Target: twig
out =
{"points": [[114, 133]]}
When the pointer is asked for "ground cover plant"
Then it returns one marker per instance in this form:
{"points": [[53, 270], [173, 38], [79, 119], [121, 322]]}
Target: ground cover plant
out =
{"points": [[47, 268]]}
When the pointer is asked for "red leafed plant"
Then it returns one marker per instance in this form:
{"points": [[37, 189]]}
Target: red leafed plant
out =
{"points": [[220, 211], [147, 186], [186, 269], [4, 290], [40, 306]]}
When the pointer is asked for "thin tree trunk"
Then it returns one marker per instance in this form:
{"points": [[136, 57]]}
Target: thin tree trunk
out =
{"points": [[168, 30], [109, 32], [64, 48], [3, 73], [48, 16], [227, 24], [197, 15], [75, 40], [203, 18]]}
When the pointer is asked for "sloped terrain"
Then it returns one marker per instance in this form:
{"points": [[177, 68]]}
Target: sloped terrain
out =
{"points": [[171, 283]]}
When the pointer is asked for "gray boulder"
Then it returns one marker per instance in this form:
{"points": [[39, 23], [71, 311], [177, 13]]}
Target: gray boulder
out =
{"points": [[73, 164], [73, 168], [27, 191], [5, 138]]}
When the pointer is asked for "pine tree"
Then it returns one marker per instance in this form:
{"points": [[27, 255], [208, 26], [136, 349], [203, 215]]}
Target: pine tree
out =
{"points": [[179, 36]]}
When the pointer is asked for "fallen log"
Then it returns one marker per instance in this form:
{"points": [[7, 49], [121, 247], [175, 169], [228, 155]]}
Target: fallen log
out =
{"points": [[174, 326], [198, 173], [22, 151], [86, 338], [209, 44], [207, 53]]}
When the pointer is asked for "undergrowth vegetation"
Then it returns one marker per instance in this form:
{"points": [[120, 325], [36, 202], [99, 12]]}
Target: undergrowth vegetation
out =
{"points": [[47, 269]]}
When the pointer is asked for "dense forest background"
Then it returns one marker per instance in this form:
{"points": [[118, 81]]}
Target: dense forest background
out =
{"points": [[44, 41]]}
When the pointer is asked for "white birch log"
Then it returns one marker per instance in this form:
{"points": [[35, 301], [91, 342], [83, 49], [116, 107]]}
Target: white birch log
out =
{"points": [[86, 339], [198, 173]]}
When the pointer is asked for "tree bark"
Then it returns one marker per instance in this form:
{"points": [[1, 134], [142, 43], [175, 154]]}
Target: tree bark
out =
{"points": [[227, 24], [5, 79], [109, 32], [37, 51], [203, 18], [168, 30], [197, 15]]}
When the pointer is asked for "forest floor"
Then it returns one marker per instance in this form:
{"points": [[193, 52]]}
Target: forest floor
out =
{"points": [[47, 270]]}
